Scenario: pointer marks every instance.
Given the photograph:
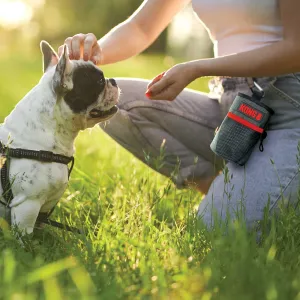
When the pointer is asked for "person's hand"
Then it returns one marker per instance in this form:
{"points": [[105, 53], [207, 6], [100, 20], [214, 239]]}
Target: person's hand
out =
{"points": [[83, 46], [167, 85]]}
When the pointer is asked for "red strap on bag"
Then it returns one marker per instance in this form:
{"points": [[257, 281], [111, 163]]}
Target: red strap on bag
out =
{"points": [[244, 122]]}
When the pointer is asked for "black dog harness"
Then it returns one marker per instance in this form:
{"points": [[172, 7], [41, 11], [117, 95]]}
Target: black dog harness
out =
{"points": [[43, 156]]}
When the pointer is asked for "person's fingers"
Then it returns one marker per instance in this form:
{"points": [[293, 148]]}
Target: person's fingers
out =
{"points": [[96, 59], [68, 43], [155, 79], [159, 86], [76, 45], [168, 94], [89, 42]]}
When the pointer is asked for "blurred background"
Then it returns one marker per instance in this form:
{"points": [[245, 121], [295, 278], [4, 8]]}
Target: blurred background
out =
{"points": [[23, 23]]}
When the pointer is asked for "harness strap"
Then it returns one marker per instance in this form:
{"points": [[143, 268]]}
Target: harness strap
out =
{"points": [[3, 203], [7, 192], [44, 218], [43, 156]]}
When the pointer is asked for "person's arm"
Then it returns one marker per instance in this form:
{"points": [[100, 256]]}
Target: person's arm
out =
{"points": [[279, 58], [140, 30], [128, 38]]}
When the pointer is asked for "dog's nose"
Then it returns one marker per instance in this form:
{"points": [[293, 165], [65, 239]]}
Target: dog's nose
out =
{"points": [[113, 82]]}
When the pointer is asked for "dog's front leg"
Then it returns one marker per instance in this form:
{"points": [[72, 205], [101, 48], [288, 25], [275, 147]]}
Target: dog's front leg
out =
{"points": [[24, 215]]}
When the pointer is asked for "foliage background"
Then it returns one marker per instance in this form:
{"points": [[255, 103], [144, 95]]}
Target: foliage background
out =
{"points": [[55, 20]]}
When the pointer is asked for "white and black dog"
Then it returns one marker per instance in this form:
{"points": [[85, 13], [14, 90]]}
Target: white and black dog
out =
{"points": [[71, 96]]}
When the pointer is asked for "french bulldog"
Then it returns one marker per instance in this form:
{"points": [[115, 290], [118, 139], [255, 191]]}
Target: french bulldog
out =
{"points": [[71, 96]]}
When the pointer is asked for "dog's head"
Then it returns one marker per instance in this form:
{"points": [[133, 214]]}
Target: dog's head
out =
{"points": [[81, 87]]}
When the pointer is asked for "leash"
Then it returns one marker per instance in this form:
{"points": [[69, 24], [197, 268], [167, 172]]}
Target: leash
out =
{"points": [[42, 156], [44, 218]]}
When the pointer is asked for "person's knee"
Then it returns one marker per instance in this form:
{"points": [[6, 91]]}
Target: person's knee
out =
{"points": [[198, 176], [200, 184], [132, 91]]}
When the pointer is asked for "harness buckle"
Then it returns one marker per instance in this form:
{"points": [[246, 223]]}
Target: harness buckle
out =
{"points": [[18, 153], [45, 156], [2, 148]]}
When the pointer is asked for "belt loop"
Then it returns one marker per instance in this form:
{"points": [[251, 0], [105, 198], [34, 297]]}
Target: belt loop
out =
{"points": [[250, 82]]}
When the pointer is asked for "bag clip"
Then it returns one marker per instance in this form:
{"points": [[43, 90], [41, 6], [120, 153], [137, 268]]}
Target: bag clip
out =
{"points": [[255, 88]]}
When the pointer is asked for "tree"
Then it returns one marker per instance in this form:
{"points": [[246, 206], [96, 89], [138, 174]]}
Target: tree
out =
{"points": [[59, 19]]}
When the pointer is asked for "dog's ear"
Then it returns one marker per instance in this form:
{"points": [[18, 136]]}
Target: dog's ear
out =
{"points": [[62, 80], [50, 58]]}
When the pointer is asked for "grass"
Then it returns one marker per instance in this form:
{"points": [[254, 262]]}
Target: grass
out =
{"points": [[142, 239]]}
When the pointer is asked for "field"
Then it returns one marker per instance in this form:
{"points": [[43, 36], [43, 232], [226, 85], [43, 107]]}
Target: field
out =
{"points": [[142, 238]]}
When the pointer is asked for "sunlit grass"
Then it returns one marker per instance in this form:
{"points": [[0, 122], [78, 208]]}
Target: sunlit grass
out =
{"points": [[141, 236]]}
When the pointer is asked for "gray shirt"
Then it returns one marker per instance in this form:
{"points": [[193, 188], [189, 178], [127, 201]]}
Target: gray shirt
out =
{"points": [[240, 25]]}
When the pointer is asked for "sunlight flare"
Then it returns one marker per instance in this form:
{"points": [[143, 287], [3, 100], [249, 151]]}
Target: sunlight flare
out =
{"points": [[14, 13]]}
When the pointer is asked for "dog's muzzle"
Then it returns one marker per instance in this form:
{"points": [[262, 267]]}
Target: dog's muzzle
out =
{"points": [[113, 82], [97, 113]]}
